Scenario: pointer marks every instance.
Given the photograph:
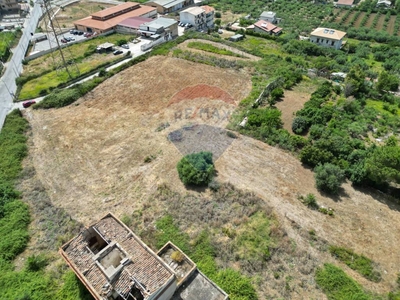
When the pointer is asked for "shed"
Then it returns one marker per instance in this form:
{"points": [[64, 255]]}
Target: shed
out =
{"points": [[236, 37], [105, 47]]}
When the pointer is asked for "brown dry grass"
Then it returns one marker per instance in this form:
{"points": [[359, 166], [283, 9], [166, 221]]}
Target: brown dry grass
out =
{"points": [[90, 156]]}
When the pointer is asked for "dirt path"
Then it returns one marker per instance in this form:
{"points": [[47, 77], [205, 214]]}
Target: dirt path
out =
{"points": [[247, 56]]}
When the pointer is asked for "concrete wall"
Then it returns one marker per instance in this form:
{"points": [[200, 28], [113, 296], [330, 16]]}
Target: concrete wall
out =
{"points": [[41, 53], [126, 30], [325, 42]]}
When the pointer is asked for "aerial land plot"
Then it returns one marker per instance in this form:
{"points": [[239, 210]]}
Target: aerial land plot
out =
{"points": [[357, 23], [381, 21], [349, 18], [370, 20]]}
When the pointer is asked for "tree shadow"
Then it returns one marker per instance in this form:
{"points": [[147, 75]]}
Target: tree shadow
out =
{"points": [[391, 197], [338, 197]]}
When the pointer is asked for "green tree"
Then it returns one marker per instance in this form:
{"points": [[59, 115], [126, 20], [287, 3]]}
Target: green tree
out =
{"points": [[356, 79], [387, 82], [383, 166], [196, 168], [269, 116], [299, 125], [329, 178]]}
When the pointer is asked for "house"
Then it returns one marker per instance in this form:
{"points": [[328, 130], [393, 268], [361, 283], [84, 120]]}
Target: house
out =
{"points": [[114, 264], [210, 11], [327, 37], [196, 16], [266, 28], [268, 16], [108, 19], [10, 5], [236, 38], [160, 26], [344, 3], [384, 3], [131, 25], [167, 6]]}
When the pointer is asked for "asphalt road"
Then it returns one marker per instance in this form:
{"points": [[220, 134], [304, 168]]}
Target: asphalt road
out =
{"points": [[14, 68]]}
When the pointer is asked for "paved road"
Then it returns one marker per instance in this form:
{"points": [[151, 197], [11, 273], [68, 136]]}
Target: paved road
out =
{"points": [[7, 82]]}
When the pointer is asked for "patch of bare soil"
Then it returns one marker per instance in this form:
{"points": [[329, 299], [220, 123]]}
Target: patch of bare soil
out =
{"points": [[246, 56], [293, 101], [90, 159]]}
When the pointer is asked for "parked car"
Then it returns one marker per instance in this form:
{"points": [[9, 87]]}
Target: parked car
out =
{"points": [[125, 46], [28, 103], [88, 34], [220, 31], [116, 52], [79, 32], [71, 38], [73, 31], [63, 40]]}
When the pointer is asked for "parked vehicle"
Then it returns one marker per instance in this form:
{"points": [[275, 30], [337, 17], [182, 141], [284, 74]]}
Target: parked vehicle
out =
{"points": [[79, 32], [88, 34], [116, 52], [28, 103], [73, 31], [63, 40], [125, 46]]}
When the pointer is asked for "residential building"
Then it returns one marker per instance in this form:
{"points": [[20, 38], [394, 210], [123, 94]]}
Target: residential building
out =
{"points": [[268, 16], [108, 19], [266, 28], [114, 264], [131, 25], [196, 16], [327, 37], [210, 11], [10, 5], [344, 3], [167, 6], [160, 26]]}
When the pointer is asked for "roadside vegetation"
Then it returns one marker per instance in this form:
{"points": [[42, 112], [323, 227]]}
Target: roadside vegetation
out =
{"points": [[8, 39], [46, 73], [33, 281]]}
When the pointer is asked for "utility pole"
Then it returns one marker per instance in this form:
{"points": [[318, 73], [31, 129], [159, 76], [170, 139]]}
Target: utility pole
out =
{"points": [[55, 35]]}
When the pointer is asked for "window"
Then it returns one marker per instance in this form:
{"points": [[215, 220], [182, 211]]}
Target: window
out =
{"points": [[333, 43], [317, 40]]}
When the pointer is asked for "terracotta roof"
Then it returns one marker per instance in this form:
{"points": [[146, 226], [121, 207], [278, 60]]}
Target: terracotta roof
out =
{"points": [[134, 22], [110, 23], [115, 9], [345, 2], [329, 33], [207, 8], [267, 27], [145, 268]]}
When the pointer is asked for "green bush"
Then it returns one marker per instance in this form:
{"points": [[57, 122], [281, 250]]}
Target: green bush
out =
{"points": [[329, 178], [196, 168], [36, 263], [299, 125]]}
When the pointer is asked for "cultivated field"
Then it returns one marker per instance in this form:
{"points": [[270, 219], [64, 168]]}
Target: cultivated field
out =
{"points": [[90, 159]]}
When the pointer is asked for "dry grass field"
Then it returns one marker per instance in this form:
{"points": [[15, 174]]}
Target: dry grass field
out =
{"points": [[90, 159]]}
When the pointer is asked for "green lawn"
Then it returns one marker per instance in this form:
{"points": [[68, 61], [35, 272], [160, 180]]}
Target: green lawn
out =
{"points": [[379, 106], [7, 40]]}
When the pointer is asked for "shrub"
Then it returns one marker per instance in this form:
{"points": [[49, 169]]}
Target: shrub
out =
{"points": [[196, 168], [121, 42], [277, 93], [299, 125], [36, 263], [311, 201], [177, 256], [217, 14], [329, 177]]}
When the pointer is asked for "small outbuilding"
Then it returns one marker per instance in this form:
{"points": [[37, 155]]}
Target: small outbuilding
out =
{"points": [[236, 37], [268, 16], [105, 47]]}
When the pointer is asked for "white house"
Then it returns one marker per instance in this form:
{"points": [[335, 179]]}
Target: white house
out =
{"points": [[196, 16], [268, 16], [327, 37]]}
